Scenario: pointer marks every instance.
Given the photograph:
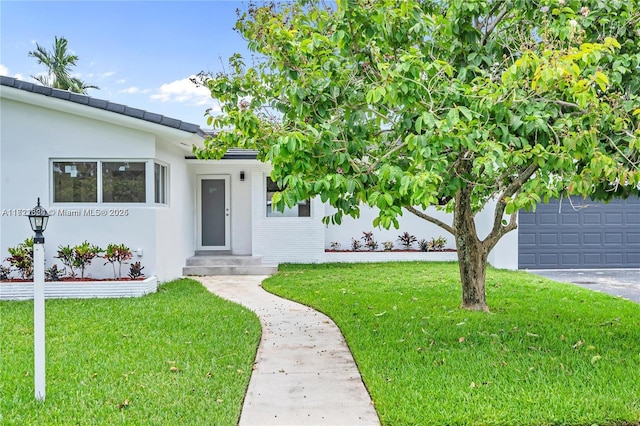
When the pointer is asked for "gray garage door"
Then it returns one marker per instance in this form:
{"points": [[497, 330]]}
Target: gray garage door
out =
{"points": [[580, 234]]}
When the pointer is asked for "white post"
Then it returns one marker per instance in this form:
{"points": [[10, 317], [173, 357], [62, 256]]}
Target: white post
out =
{"points": [[38, 321]]}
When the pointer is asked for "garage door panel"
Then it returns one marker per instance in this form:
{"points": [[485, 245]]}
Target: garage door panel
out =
{"points": [[549, 260], [613, 238], [549, 238], [570, 219], [614, 259], [570, 259], [570, 238], [548, 219], [592, 258], [527, 219], [591, 218], [591, 238], [580, 234], [528, 258], [527, 239], [613, 218]]}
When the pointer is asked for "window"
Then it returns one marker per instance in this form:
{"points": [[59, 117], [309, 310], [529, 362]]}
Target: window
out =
{"points": [[160, 183], [303, 209], [123, 182], [99, 181], [75, 181]]}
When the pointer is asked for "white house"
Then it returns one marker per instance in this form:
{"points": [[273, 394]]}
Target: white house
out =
{"points": [[108, 173]]}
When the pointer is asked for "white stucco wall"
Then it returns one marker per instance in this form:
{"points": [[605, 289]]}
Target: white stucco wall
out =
{"points": [[31, 137], [36, 130], [174, 221]]}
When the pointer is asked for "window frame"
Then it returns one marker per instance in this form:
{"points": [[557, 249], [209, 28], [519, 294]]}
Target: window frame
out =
{"points": [[115, 180], [149, 184], [271, 214], [165, 187], [52, 177]]}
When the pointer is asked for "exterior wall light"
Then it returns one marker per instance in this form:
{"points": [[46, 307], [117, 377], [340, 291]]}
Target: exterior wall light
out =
{"points": [[38, 218]]}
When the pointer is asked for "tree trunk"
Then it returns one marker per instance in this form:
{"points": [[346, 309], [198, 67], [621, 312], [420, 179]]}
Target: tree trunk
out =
{"points": [[472, 254], [473, 266]]}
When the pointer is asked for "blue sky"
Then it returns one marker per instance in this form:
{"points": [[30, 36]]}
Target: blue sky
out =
{"points": [[140, 53]]}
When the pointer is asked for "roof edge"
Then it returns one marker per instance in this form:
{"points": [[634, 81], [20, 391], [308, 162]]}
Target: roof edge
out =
{"points": [[102, 105]]}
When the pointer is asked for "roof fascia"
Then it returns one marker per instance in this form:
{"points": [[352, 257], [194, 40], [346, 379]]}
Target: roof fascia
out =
{"points": [[93, 113]]}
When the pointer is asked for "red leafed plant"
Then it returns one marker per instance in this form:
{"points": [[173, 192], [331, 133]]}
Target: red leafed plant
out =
{"points": [[117, 253]]}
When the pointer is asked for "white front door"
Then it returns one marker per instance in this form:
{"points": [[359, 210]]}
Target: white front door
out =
{"points": [[213, 212]]}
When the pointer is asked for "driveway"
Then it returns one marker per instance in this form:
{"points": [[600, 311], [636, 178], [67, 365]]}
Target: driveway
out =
{"points": [[617, 282]]}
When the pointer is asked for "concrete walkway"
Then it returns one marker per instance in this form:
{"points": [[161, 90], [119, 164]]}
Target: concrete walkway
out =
{"points": [[304, 373]]}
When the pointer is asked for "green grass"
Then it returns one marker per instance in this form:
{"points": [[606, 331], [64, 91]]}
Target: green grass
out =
{"points": [[109, 361], [547, 354]]}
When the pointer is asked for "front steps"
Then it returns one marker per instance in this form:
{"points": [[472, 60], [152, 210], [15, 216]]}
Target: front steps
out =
{"points": [[211, 263]]}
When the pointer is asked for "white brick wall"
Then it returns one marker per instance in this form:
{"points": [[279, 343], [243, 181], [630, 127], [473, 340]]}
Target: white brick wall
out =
{"points": [[285, 239]]}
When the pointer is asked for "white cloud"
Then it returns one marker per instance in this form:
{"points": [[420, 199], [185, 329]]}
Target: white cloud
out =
{"points": [[5, 71], [130, 90], [183, 91], [121, 81], [97, 76]]}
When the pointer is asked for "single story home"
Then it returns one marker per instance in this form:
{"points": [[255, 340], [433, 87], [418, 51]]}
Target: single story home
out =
{"points": [[109, 173]]}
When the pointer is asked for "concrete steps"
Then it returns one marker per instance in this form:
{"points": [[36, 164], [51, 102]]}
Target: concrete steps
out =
{"points": [[208, 263]]}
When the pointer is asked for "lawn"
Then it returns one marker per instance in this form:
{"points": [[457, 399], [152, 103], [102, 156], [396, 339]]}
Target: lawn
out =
{"points": [[180, 356], [547, 354]]}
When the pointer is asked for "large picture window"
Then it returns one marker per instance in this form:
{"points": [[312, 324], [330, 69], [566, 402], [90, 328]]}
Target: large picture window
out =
{"points": [[104, 182], [75, 181], [123, 182], [302, 209]]}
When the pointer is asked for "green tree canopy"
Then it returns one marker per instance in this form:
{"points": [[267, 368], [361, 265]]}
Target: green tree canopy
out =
{"points": [[59, 63], [460, 104]]}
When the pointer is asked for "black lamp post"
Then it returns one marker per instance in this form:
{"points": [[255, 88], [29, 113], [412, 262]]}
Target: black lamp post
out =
{"points": [[38, 217]]}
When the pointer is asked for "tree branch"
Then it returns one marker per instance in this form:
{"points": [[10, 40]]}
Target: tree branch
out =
{"points": [[503, 13], [562, 103], [481, 22], [617, 148], [431, 219], [379, 160], [498, 229]]}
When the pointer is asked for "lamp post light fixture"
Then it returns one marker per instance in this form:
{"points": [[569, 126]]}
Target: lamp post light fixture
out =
{"points": [[38, 218]]}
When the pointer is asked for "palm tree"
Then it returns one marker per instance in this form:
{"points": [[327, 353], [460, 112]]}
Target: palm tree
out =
{"points": [[59, 65]]}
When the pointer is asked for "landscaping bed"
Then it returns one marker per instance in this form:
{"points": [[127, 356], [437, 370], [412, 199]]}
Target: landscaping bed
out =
{"points": [[390, 255], [79, 288]]}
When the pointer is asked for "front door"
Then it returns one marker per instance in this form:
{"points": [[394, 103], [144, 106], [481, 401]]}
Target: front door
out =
{"points": [[213, 212]]}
